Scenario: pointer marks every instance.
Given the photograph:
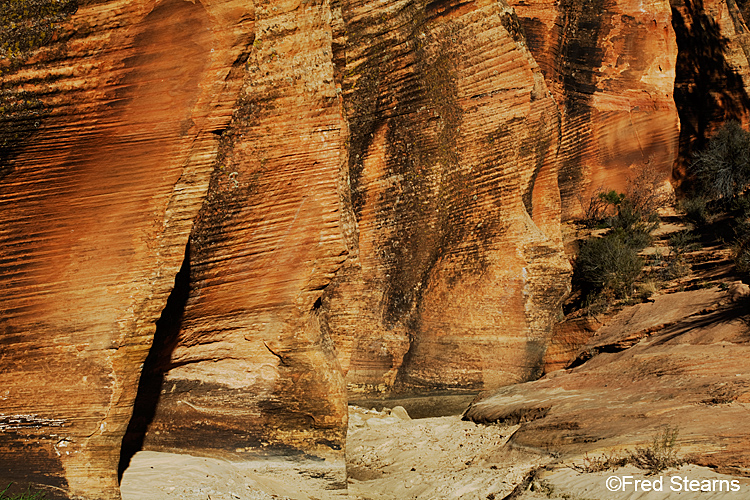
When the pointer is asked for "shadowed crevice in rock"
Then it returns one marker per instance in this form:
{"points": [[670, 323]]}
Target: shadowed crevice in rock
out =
{"points": [[708, 90], [152, 375], [585, 25]]}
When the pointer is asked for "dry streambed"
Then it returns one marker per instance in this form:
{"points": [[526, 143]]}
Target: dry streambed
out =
{"points": [[389, 456], [392, 457]]}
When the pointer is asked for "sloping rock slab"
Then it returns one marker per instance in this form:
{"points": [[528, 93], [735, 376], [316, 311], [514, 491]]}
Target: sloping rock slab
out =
{"points": [[691, 374]]}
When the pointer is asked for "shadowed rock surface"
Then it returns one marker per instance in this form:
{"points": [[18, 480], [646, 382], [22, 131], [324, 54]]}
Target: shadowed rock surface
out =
{"points": [[610, 65], [455, 269]]}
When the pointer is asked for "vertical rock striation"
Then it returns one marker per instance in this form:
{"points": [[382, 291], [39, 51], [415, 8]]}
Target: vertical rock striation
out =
{"points": [[102, 178], [257, 205], [611, 67], [455, 267], [247, 370]]}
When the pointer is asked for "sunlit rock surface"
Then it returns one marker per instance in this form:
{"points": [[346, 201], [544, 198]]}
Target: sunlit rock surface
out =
{"points": [[455, 269], [679, 362], [97, 205], [610, 65], [218, 216], [248, 370]]}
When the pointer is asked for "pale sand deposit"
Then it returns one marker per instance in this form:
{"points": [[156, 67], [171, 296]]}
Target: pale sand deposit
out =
{"points": [[391, 457]]}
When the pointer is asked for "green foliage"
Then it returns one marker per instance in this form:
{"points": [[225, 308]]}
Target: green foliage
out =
{"points": [[612, 197], [722, 170], [633, 225], [741, 249], [696, 210], [661, 455], [600, 206], [27, 495], [607, 266]]}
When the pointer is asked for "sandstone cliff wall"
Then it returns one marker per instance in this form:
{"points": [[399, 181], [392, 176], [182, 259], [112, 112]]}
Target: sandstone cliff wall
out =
{"points": [[247, 370], [455, 266], [712, 71], [97, 205], [611, 66], [215, 216]]}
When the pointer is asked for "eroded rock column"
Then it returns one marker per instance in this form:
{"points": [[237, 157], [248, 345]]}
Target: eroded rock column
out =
{"points": [[96, 208], [456, 264], [249, 373]]}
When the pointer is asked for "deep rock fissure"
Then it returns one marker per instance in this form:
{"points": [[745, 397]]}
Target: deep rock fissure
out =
{"points": [[156, 364]]}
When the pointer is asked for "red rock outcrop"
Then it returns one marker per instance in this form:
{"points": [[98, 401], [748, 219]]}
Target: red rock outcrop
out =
{"points": [[456, 267], [354, 192], [247, 370], [97, 205], [680, 361], [713, 71], [611, 66]]}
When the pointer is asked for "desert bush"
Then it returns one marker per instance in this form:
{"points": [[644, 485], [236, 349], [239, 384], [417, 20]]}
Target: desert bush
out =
{"points": [[632, 227], [601, 463], [607, 266], [722, 170], [696, 210], [741, 249], [644, 191], [661, 455], [680, 243], [600, 206]]}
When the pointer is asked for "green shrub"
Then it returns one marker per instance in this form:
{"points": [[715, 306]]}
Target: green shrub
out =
{"points": [[27, 495], [722, 170], [633, 226], [741, 250], [607, 266], [696, 210], [600, 206]]}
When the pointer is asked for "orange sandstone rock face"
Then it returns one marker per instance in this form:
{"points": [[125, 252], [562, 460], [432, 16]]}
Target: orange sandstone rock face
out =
{"points": [[455, 267], [713, 71], [359, 193], [95, 212], [347, 190], [248, 370], [611, 66]]}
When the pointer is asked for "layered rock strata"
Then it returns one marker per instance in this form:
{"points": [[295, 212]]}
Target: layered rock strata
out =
{"points": [[246, 369], [649, 368], [610, 65], [96, 207], [352, 192], [712, 71], [455, 267]]}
